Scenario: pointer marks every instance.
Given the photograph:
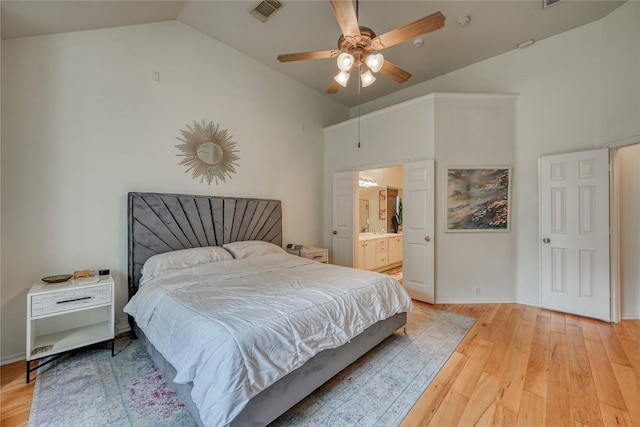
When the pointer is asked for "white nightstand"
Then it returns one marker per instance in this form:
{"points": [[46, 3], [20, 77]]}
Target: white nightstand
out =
{"points": [[317, 254], [69, 315]]}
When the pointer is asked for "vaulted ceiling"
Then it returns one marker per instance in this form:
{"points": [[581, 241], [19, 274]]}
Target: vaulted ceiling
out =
{"points": [[307, 25]]}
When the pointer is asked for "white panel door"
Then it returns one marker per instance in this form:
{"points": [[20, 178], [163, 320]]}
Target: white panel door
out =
{"points": [[417, 230], [343, 191], [574, 233]]}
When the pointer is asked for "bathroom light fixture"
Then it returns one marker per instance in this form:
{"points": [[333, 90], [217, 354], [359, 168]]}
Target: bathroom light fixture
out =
{"points": [[364, 182]]}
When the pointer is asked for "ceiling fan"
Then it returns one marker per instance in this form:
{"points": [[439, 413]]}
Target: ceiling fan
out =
{"points": [[357, 46]]}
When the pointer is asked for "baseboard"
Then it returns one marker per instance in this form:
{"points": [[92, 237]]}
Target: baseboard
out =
{"points": [[630, 317], [122, 330], [12, 359], [529, 303], [475, 301]]}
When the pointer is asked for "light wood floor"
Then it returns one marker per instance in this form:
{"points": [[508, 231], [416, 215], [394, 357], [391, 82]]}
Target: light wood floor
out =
{"points": [[518, 365]]}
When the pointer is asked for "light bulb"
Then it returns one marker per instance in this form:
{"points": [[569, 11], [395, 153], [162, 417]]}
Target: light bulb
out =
{"points": [[342, 78], [345, 61], [367, 78], [375, 62]]}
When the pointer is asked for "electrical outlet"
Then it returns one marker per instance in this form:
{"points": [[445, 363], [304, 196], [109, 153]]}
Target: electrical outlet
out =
{"points": [[477, 290]]}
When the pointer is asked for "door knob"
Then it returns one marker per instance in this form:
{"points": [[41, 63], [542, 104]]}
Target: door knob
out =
{"points": [[427, 238], [335, 232], [546, 240]]}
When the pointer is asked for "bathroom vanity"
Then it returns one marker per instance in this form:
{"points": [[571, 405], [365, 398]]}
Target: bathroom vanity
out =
{"points": [[378, 251]]}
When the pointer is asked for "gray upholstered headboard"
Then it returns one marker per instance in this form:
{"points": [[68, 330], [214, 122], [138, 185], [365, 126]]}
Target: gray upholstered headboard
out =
{"points": [[161, 223]]}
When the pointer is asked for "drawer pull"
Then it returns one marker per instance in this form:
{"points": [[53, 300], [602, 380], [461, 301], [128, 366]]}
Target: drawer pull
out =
{"points": [[318, 256], [72, 300]]}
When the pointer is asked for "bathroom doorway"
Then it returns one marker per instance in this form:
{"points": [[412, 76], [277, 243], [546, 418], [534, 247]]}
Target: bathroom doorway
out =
{"points": [[379, 243]]}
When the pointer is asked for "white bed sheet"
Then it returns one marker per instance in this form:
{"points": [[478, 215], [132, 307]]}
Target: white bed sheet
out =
{"points": [[235, 327]]}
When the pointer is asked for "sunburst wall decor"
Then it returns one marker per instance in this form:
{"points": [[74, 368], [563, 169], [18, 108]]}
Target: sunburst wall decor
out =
{"points": [[208, 151]]}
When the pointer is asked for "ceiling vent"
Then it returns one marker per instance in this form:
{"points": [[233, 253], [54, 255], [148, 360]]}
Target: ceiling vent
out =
{"points": [[266, 8], [548, 3]]}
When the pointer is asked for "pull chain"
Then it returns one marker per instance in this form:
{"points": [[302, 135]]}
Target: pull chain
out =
{"points": [[359, 77]]}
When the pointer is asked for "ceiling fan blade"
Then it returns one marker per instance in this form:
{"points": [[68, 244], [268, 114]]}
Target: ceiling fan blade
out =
{"points": [[346, 16], [302, 56], [333, 87], [433, 22], [394, 72]]}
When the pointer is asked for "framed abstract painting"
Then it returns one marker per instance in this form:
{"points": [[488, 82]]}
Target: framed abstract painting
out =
{"points": [[478, 198]]}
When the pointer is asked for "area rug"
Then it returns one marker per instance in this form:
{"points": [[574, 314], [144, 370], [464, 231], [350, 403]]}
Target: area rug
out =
{"points": [[89, 387]]}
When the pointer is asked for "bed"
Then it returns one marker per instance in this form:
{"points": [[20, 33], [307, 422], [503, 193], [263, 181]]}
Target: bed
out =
{"points": [[226, 298]]}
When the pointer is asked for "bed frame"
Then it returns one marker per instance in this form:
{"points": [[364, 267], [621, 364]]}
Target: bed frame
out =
{"points": [[161, 223]]}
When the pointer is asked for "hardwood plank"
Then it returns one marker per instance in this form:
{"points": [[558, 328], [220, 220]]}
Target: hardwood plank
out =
{"points": [[481, 405], [530, 314], [532, 410], [535, 380], [449, 412], [590, 329], [557, 322], [615, 417], [503, 335], [630, 388], [558, 382], [615, 352], [584, 400], [15, 395], [578, 359], [512, 381], [603, 376], [504, 416], [572, 320], [470, 374], [629, 343]]}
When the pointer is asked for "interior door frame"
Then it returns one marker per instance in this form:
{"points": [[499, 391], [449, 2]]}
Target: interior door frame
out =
{"points": [[614, 221]]}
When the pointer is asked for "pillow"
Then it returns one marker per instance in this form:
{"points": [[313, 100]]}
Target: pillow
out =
{"points": [[251, 248], [160, 263]]}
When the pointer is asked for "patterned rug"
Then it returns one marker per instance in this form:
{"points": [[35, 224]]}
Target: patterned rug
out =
{"points": [[89, 387]]}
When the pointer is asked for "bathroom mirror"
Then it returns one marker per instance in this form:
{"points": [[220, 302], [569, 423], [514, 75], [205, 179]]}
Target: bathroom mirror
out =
{"points": [[208, 152]]}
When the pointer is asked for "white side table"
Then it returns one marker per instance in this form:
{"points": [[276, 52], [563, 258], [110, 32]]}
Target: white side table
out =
{"points": [[69, 315], [316, 254]]}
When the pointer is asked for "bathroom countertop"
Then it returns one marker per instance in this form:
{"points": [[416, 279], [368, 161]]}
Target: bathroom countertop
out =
{"points": [[371, 236]]}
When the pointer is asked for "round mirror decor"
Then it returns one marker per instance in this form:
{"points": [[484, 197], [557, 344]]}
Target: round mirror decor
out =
{"points": [[208, 152]]}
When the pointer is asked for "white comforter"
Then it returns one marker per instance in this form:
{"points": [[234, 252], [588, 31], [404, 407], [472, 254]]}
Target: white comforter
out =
{"points": [[233, 328]]}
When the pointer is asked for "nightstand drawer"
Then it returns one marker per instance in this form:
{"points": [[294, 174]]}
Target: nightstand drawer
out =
{"points": [[73, 299], [316, 254]]}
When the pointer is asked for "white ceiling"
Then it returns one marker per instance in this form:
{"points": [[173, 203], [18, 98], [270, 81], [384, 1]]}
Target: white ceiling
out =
{"points": [[306, 25]]}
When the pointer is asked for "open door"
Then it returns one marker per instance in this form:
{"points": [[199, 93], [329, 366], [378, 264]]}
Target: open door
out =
{"points": [[418, 230], [574, 233], [343, 230]]}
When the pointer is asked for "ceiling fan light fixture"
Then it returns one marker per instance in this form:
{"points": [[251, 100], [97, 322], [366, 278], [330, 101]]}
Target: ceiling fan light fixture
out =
{"points": [[342, 78], [375, 62], [345, 61], [367, 78]]}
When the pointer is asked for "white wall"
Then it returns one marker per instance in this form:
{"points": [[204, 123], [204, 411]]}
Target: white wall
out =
{"points": [[572, 97], [628, 162], [83, 124], [458, 130], [473, 131]]}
